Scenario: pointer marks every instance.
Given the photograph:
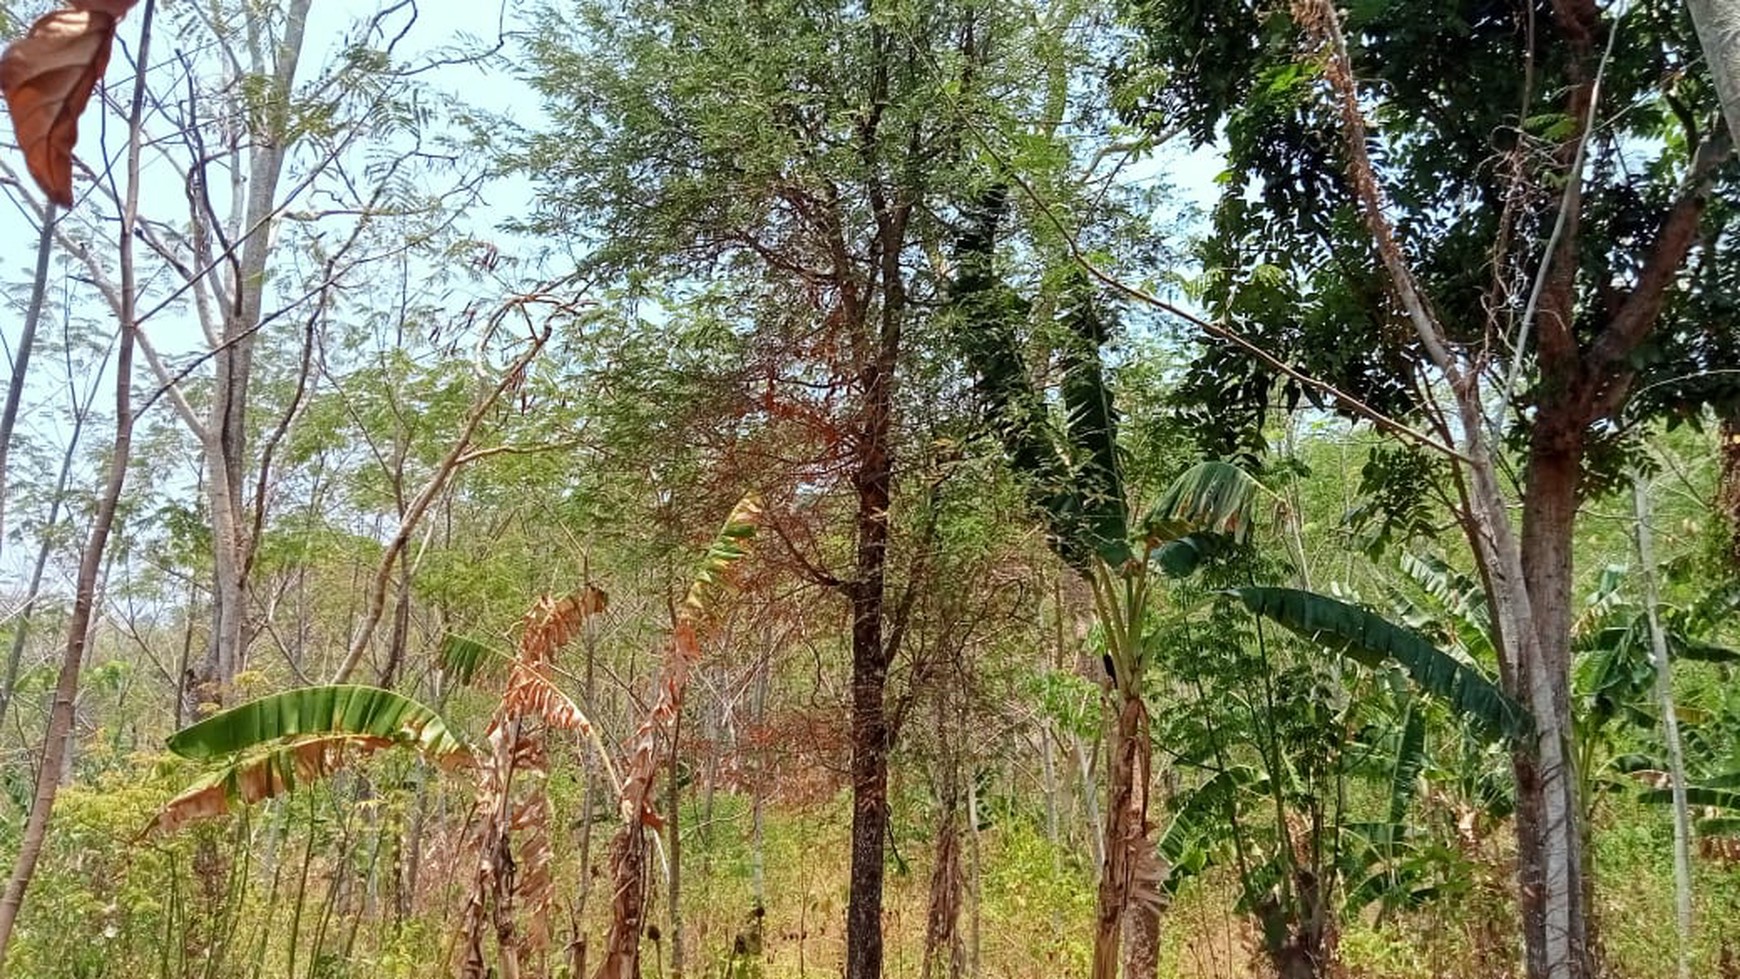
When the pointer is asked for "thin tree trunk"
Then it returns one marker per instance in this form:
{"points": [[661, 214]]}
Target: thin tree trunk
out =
{"points": [[226, 429], [942, 942], [674, 847], [974, 879], [1718, 25], [21, 360], [45, 547], [1090, 796], [1728, 483], [1664, 693], [60, 717], [1126, 838]]}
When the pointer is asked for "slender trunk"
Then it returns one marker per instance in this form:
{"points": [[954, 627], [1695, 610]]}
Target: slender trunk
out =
{"points": [[21, 360], [1718, 25], [974, 880], [227, 426], [401, 635], [1664, 693], [942, 943], [1127, 845], [869, 789], [1550, 842], [871, 737], [674, 848], [60, 717], [21, 634], [1090, 796]]}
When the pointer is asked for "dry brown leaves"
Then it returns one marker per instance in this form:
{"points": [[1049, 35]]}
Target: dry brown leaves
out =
{"points": [[265, 777], [47, 77]]}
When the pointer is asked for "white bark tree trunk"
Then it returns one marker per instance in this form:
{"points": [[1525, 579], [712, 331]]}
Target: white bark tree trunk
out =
{"points": [[1718, 24], [1664, 693]]}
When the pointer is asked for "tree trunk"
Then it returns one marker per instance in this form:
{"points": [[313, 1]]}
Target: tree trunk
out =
{"points": [[943, 951], [674, 849], [1718, 25], [1550, 840], [1664, 692], [1128, 850], [227, 425], [869, 773], [1728, 485], [873, 480]]}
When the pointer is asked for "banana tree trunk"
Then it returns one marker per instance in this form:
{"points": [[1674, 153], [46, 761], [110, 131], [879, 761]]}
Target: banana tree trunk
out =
{"points": [[1127, 845]]}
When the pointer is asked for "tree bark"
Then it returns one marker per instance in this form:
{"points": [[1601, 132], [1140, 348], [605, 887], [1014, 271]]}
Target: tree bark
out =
{"points": [[226, 435], [1550, 842], [66, 688], [1664, 694], [1718, 25], [1126, 839]]}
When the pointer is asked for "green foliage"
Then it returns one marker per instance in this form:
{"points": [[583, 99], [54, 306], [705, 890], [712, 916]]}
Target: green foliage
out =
{"points": [[1372, 641], [338, 709]]}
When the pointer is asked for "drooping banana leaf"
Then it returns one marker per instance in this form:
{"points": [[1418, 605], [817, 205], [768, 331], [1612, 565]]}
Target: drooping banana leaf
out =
{"points": [[1208, 498], [466, 659], [1371, 640], [1092, 426], [338, 709], [1459, 595], [983, 313], [1410, 758], [271, 745]]}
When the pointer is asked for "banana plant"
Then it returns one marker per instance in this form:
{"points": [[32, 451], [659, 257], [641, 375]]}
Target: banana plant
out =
{"points": [[1075, 484], [267, 747]]}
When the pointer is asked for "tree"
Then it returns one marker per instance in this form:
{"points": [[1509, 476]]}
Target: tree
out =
{"points": [[791, 160], [1398, 273]]}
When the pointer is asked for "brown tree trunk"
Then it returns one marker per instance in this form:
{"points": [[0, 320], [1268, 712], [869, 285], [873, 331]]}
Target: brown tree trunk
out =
{"points": [[1127, 868], [944, 953], [1728, 488], [873, 480], [1550, 844]]}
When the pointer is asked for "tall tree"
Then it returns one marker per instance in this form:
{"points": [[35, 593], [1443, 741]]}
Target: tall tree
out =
{"points": [[793, 158], [1500, 258]]}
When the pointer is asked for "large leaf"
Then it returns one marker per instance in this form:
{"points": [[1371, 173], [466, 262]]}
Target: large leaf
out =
{"points": [[271, 745], [1410, 758], [1208, 498], [466, 659], [984, 312], [1092, 427], [261, 775], [47, 77], [1371, 640], [1459, 595], [343, 710]]}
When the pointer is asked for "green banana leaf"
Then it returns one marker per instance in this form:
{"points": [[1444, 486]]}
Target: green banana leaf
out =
{"points": [[1371, 640]]}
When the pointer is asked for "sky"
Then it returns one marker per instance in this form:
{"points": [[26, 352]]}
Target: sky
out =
{"points": [[429, 27]]}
